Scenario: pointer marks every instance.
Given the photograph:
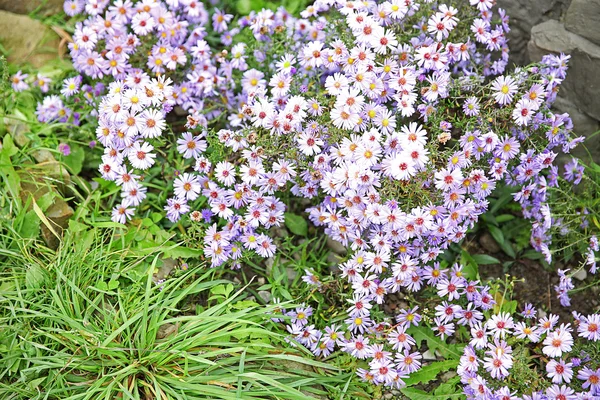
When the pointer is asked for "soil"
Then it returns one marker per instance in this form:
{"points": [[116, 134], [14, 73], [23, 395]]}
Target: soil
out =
{"points": [[536, 283]]}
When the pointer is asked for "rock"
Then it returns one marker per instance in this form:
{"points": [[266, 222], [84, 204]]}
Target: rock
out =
{"points": [[580, 275], [280, 232], [336, 246], [523, 16], [27, 40], [334, 259], [583, 18], [42, 8], [291, 274], [265, 296], [168, 265], [446, 376], [269, 265], [581, 83], [583, 125], [261, 281], [429, 356], [488, 243], [58, 215], [166, 330]]}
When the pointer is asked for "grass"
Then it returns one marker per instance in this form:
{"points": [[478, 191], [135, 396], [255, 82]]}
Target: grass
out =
{"points": [[62, 337]]}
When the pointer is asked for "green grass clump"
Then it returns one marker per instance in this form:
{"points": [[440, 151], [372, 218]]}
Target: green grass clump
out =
{"points": [[72, 326]]}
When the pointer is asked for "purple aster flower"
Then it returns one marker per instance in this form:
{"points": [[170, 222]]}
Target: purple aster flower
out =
{"points": [[64, 148]]}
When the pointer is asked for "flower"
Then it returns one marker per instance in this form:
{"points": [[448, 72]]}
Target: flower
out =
{"points": [[18, 81], [64, 149], [190, 146], [187, 187], [140, 155], [500, 324], [523, 111], [558, 342], [559, 371], [121, 213], [504, 89], [591, 378], [589, 327]]}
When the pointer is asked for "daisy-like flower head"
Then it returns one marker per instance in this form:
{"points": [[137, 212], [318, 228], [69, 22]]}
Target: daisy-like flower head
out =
{"points": [[187, 187], [558, 342], [140, 155], [504, 89], [191, 146]]}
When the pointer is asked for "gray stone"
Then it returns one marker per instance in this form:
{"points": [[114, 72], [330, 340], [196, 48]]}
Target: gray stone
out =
{"points": [[582, 84], [166, 330], [523, 16], [429, 356], [334, 259], [168, 265], [41, 7], [290, 272], [580, 275], [488, 243], [27, 40], [58, 215], [583, 18], [583, 125], [336, 246], [265, 296]]}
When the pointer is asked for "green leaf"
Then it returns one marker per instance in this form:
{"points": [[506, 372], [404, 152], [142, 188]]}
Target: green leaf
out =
{"points": [[245, 6], [430, 372], [156, 217], [10, 176], [223, 290], [424, 333], [75, 226], [244, 305], [510, 306], [34, 277], [30, 228], [8, 146], [416, 394], [296, 224], [75, 160], [484, 259], [508, 249], [470, 266], [496, 234], [532, 255], [183, 252], [505, 218], [503, 200]]}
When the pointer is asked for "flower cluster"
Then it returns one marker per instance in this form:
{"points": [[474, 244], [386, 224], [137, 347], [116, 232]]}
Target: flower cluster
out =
{"points": [[490, 340]]}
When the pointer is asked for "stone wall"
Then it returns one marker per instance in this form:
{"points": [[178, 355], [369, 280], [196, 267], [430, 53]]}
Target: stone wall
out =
{"points": [[40, 7], [539, 27]]}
